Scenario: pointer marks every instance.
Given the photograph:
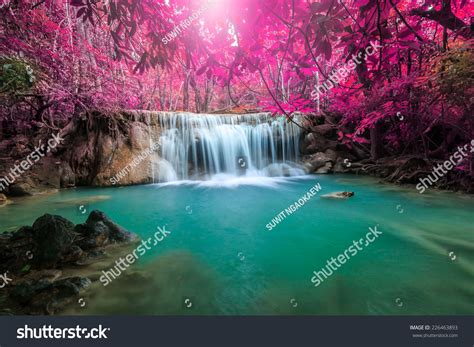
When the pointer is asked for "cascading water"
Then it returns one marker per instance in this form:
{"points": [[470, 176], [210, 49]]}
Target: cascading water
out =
{"points": [[203, 146]]}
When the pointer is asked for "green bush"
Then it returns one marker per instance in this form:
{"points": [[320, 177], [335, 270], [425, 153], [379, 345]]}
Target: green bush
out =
{"points": [[455, 72], [16, 75]]}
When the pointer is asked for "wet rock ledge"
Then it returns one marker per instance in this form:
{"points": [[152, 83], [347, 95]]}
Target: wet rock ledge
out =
{"points": [[34, 259]]}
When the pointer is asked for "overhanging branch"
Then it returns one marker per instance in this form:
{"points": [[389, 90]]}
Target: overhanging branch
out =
{"points": [[446, 18]]}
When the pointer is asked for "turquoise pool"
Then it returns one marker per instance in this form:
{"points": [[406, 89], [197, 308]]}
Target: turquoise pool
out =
{"points": [[221, 259]]}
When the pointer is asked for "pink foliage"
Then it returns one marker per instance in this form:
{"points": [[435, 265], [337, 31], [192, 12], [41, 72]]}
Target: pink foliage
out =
{"points": [[268, 54]]}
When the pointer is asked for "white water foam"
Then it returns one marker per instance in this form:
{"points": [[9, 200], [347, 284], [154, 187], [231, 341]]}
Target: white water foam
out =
{"points": [[233, 148]]}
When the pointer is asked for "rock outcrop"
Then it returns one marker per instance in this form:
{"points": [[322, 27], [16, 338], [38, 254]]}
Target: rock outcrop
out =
{"points": [[116, 146], [322, 151], [330, 161], [35, 258], [95, 148]]}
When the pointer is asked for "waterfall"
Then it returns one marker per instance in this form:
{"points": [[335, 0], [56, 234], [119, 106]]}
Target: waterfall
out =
{"points": [[152, 145], [201, 146]]}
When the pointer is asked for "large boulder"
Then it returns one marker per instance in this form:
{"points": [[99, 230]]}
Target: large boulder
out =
{"points": [[327, 168], [53, 236], [42, 177], [312, 143], [23, 187], [328, 131], [100, 230], [317, 161], [331, 154], [36, 258], [342, 165], [53, 241]]}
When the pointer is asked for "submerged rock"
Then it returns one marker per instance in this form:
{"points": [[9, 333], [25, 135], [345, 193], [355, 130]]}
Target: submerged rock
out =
{"points": [[47, 297], [100, 230], [338, 195], [83, 201]]}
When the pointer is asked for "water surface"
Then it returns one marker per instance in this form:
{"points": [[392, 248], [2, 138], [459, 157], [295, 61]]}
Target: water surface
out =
{"points": [[221, 259]]}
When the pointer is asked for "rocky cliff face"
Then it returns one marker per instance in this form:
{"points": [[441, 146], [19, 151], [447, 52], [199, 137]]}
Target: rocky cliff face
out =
{"points": [[113, 150], [323, 153], [96, 148]]}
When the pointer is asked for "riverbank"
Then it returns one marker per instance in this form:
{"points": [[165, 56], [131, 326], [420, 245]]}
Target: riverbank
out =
{"points": [[324, 153]]}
